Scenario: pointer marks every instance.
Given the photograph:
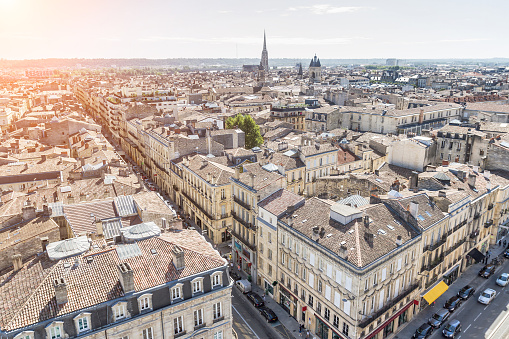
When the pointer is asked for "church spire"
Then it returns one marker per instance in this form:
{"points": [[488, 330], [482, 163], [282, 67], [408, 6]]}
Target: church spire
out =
{"points": [[264, 62], [264, 41]]}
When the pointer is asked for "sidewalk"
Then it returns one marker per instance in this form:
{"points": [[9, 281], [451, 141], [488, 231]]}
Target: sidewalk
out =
{"points": [[469, 277]]}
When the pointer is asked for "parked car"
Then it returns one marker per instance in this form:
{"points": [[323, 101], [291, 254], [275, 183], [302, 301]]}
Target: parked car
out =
{"points": [[503, 279], [487, 296], [268, 314], [466, 292], [243, 285], [439, 318], [451, 329], [423, 332], [506, 253], [487, 271], [453, 303], [255, 299]]}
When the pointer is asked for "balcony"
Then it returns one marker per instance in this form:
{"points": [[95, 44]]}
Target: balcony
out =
{"points": [[393, 302], [460, 225], [477, 216], [175, 188], [178, 335], [197, 327], [243, 241], [458, 244], [474, 234], [201, 209], [488, 223], [241, 203], [435, 245], [433, 264], [490, 207], [242, 221], [218, 319]]}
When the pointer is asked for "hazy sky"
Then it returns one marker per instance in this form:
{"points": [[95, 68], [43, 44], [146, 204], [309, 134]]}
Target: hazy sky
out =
{"points": [[229, 28]]}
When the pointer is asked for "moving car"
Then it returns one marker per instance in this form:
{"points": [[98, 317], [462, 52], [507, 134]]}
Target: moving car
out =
{"points": [[423, 332], [453, 303], [466, 292], [439, 318], [268, 314], [451, 329], [487, 296], [503, 279], [243, 285], [487, 271], [255, 299]]}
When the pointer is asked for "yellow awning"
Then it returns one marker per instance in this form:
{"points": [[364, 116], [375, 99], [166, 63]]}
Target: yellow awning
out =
{"points": [[436, 292]]}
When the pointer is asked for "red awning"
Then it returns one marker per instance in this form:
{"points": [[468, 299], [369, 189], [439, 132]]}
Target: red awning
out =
{"points": [[304, 308], [378, 329]]}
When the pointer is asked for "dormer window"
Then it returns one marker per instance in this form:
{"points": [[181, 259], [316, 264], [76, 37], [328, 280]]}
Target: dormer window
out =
{"points": [[55, 330], [197, 285], [25, 335], [217, 279], [82, 322], [145, 302], [119, 311], [176, 293]]}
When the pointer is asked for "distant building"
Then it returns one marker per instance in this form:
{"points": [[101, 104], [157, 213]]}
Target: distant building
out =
{"points": [[315, 70]]}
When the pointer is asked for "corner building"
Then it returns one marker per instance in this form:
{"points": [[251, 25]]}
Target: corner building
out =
{"points": [[344, 272]]}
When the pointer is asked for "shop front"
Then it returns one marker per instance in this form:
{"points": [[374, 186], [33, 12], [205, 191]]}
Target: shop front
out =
{"points": [[451, 275], [322, 330], [269, 288], [388, 327], [242, 258], [287, 301]]}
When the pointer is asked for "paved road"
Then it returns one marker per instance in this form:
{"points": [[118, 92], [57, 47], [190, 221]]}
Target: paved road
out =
{"points": [[483, 321], [247, 321]]}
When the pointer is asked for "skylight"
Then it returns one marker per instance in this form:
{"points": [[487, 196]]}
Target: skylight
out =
{"points": [[429, 214], [420, 217], [390, 227]]}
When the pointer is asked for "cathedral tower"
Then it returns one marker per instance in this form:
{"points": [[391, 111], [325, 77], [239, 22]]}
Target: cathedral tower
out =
{"points": [[264, 62], [315, 70]]}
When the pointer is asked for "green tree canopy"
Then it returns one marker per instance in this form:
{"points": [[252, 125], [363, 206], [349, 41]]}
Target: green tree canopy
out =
{"points": [[247, 124]]}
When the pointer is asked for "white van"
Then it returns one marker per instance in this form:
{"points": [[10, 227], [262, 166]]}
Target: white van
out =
{"points": [[243, 285]]}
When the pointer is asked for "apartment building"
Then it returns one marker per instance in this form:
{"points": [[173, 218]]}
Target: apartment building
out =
{"points": [[323, 119], [174, 286], [249, 185], [465, 145], [320, 159], [345, 272], [205, 193], [413, 120]]}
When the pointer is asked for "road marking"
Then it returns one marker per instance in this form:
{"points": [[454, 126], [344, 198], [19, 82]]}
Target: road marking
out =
{"points": [[465, 330], [459, 337], [477, 317], [486, 306], [245, 322]]}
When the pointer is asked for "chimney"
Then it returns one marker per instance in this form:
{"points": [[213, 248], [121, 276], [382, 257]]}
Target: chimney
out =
{"points": [[163, 223], [28, 211], [399, 240], [471, 180], [414, 180], [343, 252], [178, 258], [445, 162], [209, 177], [126, 277], [237, 173], [44, 243], [414, 208], [82, 162], [60, 291], [442, 194], [366, 221], [315, 234], [251, 179], [17, 262], [290, 220]]}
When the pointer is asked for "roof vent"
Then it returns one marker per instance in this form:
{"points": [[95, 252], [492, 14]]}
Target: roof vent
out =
{"points": [[343, 251], [399, 241], [316, 233]]}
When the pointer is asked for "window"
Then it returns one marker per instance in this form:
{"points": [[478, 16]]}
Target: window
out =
{"points": [[318, 307], [83, 324], [216, 279], [304, 273], [218, 335], [147, 333], [336, 321], [25, 335], [310, 300], [320, 286], [55, 330], [145, 302], [270, 238], [119, 311], [197, 285], [327, 314], [198, 317], [178, 325], [270, 270], [345, 329], [270, 254], [216, 310], [176, 292]]}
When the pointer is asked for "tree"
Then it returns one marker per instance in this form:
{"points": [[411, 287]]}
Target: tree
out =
{"points": [[247, 124]]}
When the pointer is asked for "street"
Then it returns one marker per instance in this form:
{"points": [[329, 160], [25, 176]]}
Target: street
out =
{"points": [[478, 320], [247, 321]]}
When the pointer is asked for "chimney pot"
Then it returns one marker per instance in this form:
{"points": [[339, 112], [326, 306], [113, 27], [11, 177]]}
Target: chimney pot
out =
{"points": [[178, 257]]}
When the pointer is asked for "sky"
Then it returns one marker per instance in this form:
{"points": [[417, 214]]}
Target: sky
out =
{"points": [[333, 29]]}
